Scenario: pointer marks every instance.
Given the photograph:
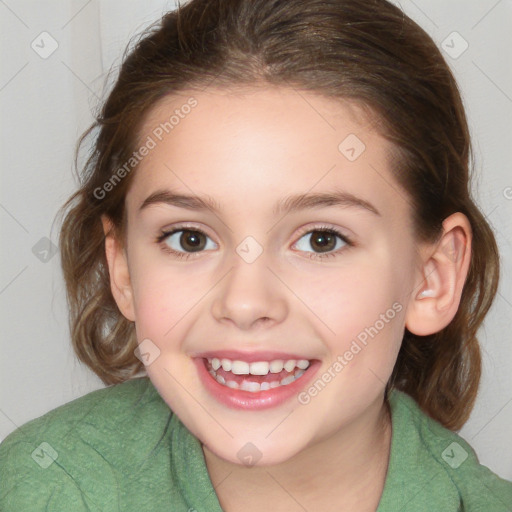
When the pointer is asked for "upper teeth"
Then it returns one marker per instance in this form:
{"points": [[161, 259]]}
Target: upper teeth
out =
{"points": [[258, 367]]}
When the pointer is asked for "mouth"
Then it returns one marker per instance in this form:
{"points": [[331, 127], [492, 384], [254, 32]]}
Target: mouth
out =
{"points": [[257, 376], [257, 384]]}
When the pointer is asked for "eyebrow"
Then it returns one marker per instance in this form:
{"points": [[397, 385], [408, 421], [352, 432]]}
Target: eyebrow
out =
{"points": [[284, 206]]}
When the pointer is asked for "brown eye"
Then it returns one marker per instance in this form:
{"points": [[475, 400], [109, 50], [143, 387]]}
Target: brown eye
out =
{"points": [[322, 241], [192, 240], [187, 240]]}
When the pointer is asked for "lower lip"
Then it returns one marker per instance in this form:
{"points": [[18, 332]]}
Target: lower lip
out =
{"points": [[239, 399]]}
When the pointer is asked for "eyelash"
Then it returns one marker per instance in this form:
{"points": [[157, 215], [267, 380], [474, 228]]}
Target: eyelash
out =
{"points": [[160, 240]]}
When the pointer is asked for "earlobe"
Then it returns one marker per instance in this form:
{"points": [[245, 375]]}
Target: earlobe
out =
{"points": [[120, 283], [435, 300]]}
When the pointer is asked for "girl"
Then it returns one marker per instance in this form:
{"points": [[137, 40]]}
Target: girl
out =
{"points": [[275, 257]]}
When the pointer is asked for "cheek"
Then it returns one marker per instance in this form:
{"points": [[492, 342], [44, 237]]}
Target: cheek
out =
{"points": [[163, 294], [349, 299], [363, 314]]}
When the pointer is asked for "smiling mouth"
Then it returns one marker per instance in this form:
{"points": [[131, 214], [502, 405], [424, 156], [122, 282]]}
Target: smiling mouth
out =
{"points": [[256, 376]]}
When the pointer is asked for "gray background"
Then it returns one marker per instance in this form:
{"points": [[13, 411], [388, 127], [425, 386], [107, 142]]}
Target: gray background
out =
{"points": [[46, 104]]}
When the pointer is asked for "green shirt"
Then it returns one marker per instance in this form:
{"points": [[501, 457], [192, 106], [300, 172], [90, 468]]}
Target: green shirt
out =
{"points": [[122, 449]]}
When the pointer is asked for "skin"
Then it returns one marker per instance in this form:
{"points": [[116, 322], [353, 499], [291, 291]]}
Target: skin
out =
{"points": [[248, 149]]}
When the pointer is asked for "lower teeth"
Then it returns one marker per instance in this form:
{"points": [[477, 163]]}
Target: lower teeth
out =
{"points": [[255, 387]]}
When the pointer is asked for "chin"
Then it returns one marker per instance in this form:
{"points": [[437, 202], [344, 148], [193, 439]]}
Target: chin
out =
{"points": [[254, 453]]}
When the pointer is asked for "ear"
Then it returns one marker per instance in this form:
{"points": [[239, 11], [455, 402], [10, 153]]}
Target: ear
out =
{"points": [[118, 270], [442, 276]]}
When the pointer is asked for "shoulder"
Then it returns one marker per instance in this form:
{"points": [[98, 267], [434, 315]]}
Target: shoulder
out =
{"points": [[446, 464], [46, 464]]}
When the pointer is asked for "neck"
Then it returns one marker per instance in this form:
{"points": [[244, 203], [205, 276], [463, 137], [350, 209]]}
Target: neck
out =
{"points": [[345, 471]]}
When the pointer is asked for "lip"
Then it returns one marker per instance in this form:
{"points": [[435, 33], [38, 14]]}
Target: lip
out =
{"points": [[245, 400], [249, 357]]}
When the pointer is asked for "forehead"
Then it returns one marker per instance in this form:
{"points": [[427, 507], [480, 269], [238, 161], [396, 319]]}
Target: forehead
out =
{"points": [[261, 142], [252, 108]]}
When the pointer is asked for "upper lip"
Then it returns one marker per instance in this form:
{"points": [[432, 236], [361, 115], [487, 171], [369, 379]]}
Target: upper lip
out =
{"points": [[250, 357]]}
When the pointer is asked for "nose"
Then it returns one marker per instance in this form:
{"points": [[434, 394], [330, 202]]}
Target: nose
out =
{"points": [[250, 296]]}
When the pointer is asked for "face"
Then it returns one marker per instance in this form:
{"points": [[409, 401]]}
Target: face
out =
{"points": [[271, 258]]}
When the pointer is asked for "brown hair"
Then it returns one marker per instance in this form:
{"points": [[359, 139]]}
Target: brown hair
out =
{"points": [[367, 52]]}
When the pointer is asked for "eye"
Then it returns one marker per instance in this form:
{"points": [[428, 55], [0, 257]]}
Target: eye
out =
{"points": [[323, 241], [183, 241]]}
